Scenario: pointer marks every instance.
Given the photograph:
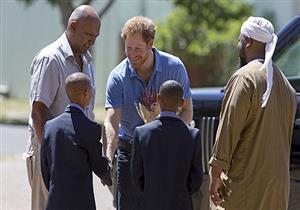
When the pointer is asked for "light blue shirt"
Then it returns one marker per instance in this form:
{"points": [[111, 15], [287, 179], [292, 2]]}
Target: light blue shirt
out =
{"points": [[168, 114], [77, 106], [125, 88]]}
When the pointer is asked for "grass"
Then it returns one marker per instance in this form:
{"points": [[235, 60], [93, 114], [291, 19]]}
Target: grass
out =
{"points": [[17, 111], [14, 111]]}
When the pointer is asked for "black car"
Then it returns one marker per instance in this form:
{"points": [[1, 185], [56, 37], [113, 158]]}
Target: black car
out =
{"points": [[207, 101]]}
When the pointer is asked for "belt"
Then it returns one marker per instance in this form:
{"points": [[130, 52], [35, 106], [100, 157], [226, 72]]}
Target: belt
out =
{"points": [[125, 144]]}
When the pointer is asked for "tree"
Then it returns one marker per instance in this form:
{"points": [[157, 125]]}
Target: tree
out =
{"points": [[67, 6], [204, 34]]}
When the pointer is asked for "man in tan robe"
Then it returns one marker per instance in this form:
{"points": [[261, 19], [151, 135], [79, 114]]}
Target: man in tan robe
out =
{"points": [[252, 148]]}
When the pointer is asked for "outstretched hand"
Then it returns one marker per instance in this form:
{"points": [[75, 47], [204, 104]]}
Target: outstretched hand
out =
{"points": [[106, 178]]}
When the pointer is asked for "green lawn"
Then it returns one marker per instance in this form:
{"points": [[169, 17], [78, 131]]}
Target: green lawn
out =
{"points": [[16, 111]]}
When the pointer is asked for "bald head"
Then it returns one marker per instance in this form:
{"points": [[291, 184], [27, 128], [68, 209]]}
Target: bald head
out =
{"points": [[77, 86], [170, 96], [84, 12], [83, 29]]}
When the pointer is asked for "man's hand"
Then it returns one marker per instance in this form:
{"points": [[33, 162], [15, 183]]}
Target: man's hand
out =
{"points": [[146, 115], [215, 187], [106, 178]]}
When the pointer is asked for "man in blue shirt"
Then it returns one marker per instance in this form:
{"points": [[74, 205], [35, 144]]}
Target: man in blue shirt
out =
{"points": [[135, 80]]}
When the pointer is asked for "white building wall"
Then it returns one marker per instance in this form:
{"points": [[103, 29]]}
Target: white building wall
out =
{"points": [[26, 30], [23, 32], [283, 10]]}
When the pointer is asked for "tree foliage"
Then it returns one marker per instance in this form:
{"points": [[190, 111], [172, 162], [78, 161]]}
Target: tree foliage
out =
{"points": [[67, 6], [203, 33]]}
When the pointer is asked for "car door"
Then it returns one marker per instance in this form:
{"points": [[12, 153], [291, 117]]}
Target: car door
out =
{"points": [[287, 58]]}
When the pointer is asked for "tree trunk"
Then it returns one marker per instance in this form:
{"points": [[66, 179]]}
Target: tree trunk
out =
{"points": [[105, 8], [66, 7]]}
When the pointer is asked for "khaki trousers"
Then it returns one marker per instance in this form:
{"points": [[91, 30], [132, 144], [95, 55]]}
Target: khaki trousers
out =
{"points": [[39, 192]]}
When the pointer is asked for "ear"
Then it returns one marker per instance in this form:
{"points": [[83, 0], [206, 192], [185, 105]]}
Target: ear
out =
{"points": [[85, 93], [158, 98], [181, 103], [73, 25], [150, 44], [248, 42]]}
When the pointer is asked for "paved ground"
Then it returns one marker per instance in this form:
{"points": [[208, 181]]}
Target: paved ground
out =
{"points": [[14, 187], [294, 203], [15, 190]]}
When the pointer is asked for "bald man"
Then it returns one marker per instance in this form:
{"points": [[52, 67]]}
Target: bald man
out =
{"points": [[251, 155], [71, 150], [48, 98], [166, 156]]}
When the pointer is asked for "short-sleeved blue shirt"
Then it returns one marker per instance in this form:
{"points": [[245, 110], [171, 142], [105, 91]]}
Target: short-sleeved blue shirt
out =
{"points": [[124, 88]]}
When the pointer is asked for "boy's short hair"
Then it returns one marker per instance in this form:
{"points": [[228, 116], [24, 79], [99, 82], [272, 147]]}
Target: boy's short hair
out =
{"points": [[171, 91], [76, 84]]}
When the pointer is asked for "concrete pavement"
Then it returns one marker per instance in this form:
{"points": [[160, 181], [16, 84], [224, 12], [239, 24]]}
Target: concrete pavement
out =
{"points": [[14, 187], [15, 190]]}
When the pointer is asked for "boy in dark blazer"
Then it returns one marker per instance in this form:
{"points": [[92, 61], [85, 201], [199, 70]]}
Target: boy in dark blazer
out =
{"points": [[71, 150], [166, 155]]}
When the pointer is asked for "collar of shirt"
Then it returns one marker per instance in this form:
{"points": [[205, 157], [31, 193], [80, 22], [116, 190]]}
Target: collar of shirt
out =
{"points": [[260, 60], [168, 114], [76, 106], [67, 50], [156, 64]]}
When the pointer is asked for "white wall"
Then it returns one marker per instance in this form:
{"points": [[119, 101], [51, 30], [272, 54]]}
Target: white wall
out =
{"points": [[25, 30], [284, 10]]}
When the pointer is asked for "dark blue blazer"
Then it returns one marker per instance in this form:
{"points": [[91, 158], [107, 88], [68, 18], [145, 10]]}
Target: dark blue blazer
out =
{"points": [[70, 151], [166, 163]]}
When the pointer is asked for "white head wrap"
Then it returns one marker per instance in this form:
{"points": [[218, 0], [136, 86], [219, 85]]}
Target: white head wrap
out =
{"points": [[262, 30]]}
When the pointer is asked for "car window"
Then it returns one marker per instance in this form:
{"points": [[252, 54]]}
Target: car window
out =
{"points": [[289, 62]]}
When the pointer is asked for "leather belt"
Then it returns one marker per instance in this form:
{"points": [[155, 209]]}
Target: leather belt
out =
{"points": [[125, 144]]}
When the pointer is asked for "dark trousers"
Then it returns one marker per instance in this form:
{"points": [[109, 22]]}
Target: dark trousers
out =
{"points": [[128, 195]]}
